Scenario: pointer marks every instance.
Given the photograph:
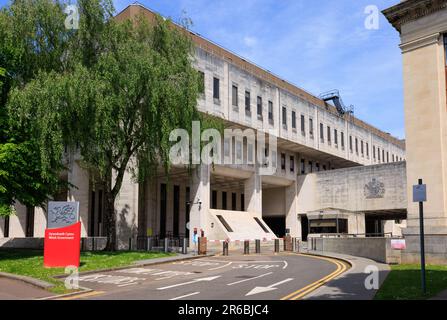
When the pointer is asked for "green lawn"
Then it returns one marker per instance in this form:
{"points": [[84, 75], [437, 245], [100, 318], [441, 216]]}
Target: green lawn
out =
{"points": [[404, 283], [30, 263]]}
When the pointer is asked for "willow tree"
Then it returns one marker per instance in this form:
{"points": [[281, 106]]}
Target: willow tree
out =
{"points": [[119, 109]]}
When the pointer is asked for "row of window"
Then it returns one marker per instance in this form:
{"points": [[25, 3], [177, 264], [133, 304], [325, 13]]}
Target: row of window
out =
{"points": [[225, 201], [311, 165], [364, 146]]}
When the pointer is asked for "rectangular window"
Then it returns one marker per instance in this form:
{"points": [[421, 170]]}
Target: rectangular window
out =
{"points": [[234, 201], [242, 202], [176, 208], [201, 80], [387, 157], [311, 167], [270, 112], [283, 161], [163, 207], [293, 120], [216, 88], [367, 149], [259, 104], [378, 153], [342, 134], [303, 126], [335, 137], [234, 96], [356, 146], [284, 117], [321, 132], [303, 167], [188, 210], [224, 201], [214, 199], [329, 135], [383, 155], [247, 103], [317, 166], [29, 222], [374, 152], [392, 157], [350, 143], [292, 164], [224, 223], [361, 148], [311, 127]]}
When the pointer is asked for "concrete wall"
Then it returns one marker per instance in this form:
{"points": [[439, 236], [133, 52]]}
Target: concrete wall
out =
{"points": [[348, 189], [378, 249]]}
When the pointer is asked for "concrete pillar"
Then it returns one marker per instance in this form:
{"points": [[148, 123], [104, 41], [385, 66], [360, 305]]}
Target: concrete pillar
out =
{"points": [[253, 194], [126, 208], [200, 192], [292, 221], [79, 177]]}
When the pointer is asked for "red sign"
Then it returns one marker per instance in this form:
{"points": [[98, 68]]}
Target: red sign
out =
{"points": [[62, 247]]}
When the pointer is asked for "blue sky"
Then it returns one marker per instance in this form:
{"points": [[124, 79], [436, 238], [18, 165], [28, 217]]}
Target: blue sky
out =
{"points": [[318, 45]]}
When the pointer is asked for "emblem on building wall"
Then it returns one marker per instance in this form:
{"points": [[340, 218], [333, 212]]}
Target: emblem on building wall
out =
{"points": [[374, 189]]}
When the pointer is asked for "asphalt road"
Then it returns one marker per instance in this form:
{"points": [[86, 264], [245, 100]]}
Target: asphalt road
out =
{"points": [[11, 289], [260, 277]]}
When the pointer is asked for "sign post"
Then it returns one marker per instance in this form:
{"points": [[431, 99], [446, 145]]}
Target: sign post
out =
{"points": [[420, 195], [62, 246]]}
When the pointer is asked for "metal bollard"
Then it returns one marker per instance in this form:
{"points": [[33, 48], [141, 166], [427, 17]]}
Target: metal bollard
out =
{"points": [[185, 246], [276, 245], [225, 248], [246, 247], [166, 248], [258, 246]]}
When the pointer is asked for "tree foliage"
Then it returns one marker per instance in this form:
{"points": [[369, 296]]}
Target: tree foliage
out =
{"points": [[120, 90]]}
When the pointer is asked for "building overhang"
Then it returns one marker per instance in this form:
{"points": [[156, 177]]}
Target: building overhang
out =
{"points": [[411, 10]]}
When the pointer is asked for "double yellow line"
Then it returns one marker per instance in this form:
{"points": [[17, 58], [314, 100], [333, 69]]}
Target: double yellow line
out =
{"points": [[341, 267]]}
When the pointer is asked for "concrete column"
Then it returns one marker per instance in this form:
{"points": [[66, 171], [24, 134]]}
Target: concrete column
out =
{"points": [[292, 221], [80, 178], [200, 192], [126, 208], [253, 194]]}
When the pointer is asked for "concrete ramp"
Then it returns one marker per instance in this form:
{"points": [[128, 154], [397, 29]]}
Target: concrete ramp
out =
{"points": [[239, 226]]}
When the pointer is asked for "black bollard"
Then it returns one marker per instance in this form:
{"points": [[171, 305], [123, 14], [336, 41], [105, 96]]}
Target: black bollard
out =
{"points": [[276, 245], [246, 247], [258, 246]]}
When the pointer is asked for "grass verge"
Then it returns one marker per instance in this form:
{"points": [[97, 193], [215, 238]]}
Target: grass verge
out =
{"points": [[30, 263], [404, 282]]}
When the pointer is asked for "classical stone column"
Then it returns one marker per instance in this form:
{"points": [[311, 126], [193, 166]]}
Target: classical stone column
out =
{"points": [[200, 192], [253, 194]]}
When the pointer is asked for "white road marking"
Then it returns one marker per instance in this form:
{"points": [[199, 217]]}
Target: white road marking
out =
{"points": [[185, 296], [189, 282], [257, 290], [261, 276], [250, 262], [226, 265]]}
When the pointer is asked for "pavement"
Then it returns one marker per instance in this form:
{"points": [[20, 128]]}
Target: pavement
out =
{"points": [[441, 296], [351, 284], [13, 289], [285, 276]]}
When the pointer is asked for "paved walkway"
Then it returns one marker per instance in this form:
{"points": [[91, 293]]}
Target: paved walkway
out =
{"points": [[351, 284], [11, 289], [441, 296]]}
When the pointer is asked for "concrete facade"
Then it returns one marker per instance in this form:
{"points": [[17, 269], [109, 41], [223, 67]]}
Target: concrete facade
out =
{"points": [[313, 139]]}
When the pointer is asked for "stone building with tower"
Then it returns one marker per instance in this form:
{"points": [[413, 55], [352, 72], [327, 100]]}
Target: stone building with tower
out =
{"points": [[422, 25], [335, 174]]}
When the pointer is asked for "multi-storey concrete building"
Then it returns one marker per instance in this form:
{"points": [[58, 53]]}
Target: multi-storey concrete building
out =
{"points": [[235, 201]]}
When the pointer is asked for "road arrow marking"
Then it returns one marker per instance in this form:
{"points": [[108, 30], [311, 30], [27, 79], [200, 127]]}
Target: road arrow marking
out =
{"points": [[249, 279], [190, 282], [258, 290]]}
